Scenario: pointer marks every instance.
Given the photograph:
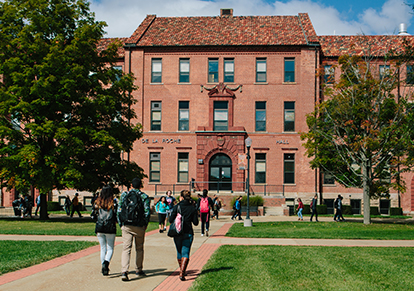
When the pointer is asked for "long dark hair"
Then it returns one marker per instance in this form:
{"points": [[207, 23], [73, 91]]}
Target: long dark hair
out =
{"points": [[160, 200], [106, 198], [186, 195]]}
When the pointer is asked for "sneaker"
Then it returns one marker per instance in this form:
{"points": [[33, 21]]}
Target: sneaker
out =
{"points": [[141, 273], [124, 276], [165, 228], [202, 234], [206, 232]]}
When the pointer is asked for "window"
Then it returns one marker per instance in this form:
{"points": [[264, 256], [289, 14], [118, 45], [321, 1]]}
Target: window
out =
{"points": [[182, 167], [260, 116], [213, 70], [155, 115], [260, 176], [184, 71], [289, 116], [261, 70], [228, 70], [221, 115], [156, 71], [289, 70], [329, 77], [328, 179], [289, 169], [384, 71], [118, 72], [410, 75], [184, 115], [384, 206], [155, 167]]}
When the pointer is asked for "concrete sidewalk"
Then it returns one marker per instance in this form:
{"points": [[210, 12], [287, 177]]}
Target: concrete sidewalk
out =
{"points": [[81, 271]]}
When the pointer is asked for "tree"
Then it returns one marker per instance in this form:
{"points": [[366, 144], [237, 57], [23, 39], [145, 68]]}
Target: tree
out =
{"points": [[65, 111], [361, 133]]}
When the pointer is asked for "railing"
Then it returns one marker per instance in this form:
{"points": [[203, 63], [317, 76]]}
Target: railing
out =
{"points": [[220, 187]]}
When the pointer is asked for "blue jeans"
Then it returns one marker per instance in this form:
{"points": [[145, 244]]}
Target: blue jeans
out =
{"points": [[107, 242], [300, 213], [183, 245]]}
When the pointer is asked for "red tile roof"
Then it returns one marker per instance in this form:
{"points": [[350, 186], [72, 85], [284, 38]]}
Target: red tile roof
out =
{"points": [[224, 31], [375, 45], [105, 42]]}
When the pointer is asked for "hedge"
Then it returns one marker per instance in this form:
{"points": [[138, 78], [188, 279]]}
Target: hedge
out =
{"points": [[322, 209], [396, 211], [53, 206], [374, 210], [253, 201]]}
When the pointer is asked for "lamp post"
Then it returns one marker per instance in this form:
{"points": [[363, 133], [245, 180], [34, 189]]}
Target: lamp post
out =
{"points": [[248, 221]]}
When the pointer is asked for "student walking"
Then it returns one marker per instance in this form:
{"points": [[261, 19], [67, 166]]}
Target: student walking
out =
{"points": [[133, 216], [161, 208], [75, 206], [184, 242], [313, 207], [171, 202], [105, 229], [237, 209], [338, 206], [67, 205], [300, 209], [204, 204], [37, 204]]}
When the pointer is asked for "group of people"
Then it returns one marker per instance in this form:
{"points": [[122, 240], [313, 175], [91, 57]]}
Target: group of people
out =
{"points": [[23, 206], [133, 215], [337, 204]]}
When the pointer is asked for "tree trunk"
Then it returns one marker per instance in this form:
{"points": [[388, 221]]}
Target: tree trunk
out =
{"points": [[43, 207], [366, 198]]}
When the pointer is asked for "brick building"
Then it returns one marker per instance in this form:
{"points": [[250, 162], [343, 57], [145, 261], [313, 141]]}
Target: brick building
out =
{"points": [[208, 83]]}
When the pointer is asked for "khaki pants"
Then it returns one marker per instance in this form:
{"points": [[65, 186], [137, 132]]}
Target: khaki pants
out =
{"points": [[130, 232]]}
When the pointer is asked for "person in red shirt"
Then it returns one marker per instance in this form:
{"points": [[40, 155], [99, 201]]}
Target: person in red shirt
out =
{"points": [[300, 209]]}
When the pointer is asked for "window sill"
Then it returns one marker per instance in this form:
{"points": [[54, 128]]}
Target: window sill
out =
{"points": [[261, 83], [183, 83], [289, 83], [293, 185], [156, 83], [328, 185]]}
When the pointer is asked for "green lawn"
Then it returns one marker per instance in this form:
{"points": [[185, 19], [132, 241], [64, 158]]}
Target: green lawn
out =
{"points": [[307, 268], [66, 226], [15, 255], [324, 230]]}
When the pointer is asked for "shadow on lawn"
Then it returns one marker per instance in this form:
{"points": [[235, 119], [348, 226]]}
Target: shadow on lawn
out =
{"points": [[206, 271]]}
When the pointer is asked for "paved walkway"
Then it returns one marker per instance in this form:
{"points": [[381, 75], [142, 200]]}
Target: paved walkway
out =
{"points": [[81, 270]]}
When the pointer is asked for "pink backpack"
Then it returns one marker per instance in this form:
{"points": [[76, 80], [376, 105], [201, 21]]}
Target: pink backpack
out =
{"points": [[204, 207]]}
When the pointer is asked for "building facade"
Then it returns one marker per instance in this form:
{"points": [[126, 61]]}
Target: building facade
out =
{"points": [[206, 84]]}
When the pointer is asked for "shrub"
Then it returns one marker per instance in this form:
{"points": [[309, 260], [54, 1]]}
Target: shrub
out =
{"points": [[396, 211], [374, 210], [253, 201], [306, 209], [322, 209], [53, 206], [346, 209]]}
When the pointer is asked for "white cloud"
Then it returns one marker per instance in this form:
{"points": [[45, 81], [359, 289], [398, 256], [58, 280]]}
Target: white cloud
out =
{"points": [[124, 16]]}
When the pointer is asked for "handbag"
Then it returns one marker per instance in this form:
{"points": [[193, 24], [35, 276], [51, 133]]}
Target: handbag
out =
{"points": [[176, 228]]}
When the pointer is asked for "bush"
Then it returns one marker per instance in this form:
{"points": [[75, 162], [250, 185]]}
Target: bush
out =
{"points": [[306, 209], [253, 201], [322, 209], [374, 210], [346, 210], [396, 211], [53, 206]]}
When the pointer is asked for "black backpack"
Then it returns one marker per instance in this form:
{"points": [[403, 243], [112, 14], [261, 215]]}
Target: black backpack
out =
{"points": [[132, 209], [106, 221]]}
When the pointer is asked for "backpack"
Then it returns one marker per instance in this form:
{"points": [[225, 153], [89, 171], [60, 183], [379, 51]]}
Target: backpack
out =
{"points": [[132, 209], [204, 207], [336, 203], [106, 222]]}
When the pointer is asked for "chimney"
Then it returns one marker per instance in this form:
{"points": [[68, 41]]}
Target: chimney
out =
{"points": [[403, 29], [226, 12]]}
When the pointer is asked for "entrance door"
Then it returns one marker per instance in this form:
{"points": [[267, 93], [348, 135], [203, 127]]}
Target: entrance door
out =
{"points": [[220, 173]]}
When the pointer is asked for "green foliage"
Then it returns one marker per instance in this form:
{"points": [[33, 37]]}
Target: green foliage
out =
{"points": [[253, 201], [65, 110], [346, 209], [374, 210], [322, 209], [53, 206], [306, 209], [396, 211]]}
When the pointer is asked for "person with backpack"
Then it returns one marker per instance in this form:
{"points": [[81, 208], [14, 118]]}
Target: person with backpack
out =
{"points": [[184, 241], [237, 208], [338, 206], [300, 209], [105, 228], [133, 217], [161, 208], [75, 206], [217, 207], [203, 205], [170, 202], [37, 204], [67, 205], [313, 204]]}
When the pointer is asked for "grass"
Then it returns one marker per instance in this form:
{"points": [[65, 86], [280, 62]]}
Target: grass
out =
{"points": [[324, 230], [61, 226], [16, 255], [307, 268]]}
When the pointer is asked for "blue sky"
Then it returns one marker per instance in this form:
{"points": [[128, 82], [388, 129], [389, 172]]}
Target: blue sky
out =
{"points": [[345, 17]]}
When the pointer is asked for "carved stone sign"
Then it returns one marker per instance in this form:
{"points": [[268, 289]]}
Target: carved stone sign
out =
{"points": [[161, 140]]}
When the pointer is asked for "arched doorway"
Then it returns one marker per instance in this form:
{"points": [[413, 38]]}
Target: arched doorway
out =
{"points": [[220, 172]]}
